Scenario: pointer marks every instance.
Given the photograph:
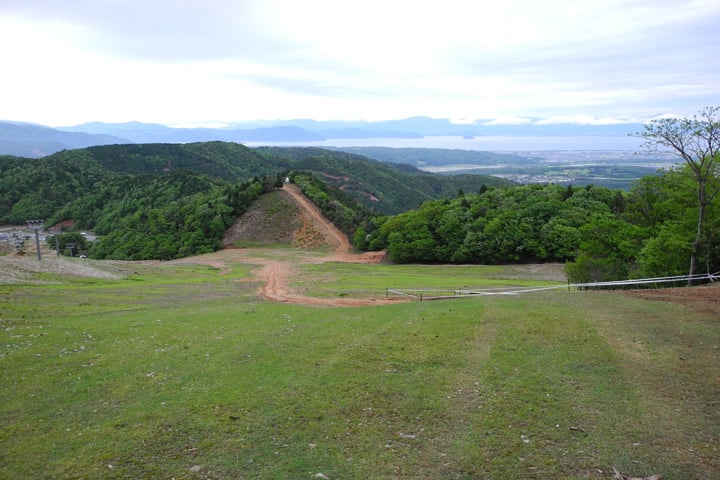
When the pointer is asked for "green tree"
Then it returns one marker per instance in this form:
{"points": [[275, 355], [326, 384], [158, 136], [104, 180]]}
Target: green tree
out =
{"points": [[360, 239], [666, 253], [656, 198], [69, 244], [697, 141], [560, 240], [608, 250], [409, 238]]}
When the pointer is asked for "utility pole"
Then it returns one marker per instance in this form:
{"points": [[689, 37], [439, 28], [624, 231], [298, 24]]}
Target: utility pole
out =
{"points": [[36, 225]]}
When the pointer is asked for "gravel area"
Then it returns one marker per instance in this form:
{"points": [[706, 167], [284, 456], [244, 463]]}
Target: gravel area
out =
{"points": [[29, 270]]}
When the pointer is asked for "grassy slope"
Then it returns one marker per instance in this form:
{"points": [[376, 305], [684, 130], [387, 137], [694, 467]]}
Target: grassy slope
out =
{"points": [[182, 372]]}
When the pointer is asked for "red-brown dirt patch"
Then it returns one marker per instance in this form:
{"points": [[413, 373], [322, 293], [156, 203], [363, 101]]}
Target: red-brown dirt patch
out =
{"points": [[289, 218], [704, 298], [286, 216]]}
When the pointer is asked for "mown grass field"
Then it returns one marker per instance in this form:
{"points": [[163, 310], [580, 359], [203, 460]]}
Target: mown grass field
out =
{"points": [[181, 371]]}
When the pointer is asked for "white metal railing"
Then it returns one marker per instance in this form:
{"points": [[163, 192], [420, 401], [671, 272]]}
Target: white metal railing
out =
{"points": [[435, 294]]}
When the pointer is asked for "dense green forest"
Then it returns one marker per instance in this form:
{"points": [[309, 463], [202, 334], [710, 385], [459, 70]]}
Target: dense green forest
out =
{"points": [[604, 234], [229, 161], [160, 212], [171, 216], [33, 188], [76, 184], [666, 225], [166, 201]]}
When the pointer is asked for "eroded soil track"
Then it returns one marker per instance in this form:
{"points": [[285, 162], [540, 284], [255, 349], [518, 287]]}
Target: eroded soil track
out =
{"points": [[277, 274], [337, 240], [313, 230]]}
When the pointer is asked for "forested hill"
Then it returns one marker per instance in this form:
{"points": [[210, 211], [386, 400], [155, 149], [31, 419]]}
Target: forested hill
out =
{"points": [[387, 188], [170, 200], [383, 187], [166, 201], [227, 161]]}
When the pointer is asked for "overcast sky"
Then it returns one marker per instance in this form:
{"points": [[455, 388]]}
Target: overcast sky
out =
{"points": [[176, 62]]}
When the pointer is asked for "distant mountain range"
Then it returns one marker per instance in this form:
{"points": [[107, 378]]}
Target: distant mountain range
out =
{"points": [[30, 140]]}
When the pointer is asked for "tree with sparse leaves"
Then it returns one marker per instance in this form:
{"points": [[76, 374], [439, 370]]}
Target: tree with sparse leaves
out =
{"points": [[697, 141]]}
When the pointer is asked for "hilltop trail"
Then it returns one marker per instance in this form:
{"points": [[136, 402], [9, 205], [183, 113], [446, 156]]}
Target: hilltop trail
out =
{"points": [[330, 231], [277, 274], [337, 239], [314, 230]]}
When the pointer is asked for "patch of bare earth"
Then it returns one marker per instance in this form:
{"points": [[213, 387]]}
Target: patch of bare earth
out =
{"points": [[288, 217], [26, 269], [273, 219], [703, 298]]}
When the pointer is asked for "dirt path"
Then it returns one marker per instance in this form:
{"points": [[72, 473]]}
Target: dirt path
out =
{"points": [[277, 275], [339, 240]]}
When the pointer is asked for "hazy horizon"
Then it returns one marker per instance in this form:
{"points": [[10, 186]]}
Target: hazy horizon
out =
{"points": [[259, 123]]}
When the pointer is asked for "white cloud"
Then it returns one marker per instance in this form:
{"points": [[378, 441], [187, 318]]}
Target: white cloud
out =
{"points": [[223, 60], [508, 121], [584, 120]]}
